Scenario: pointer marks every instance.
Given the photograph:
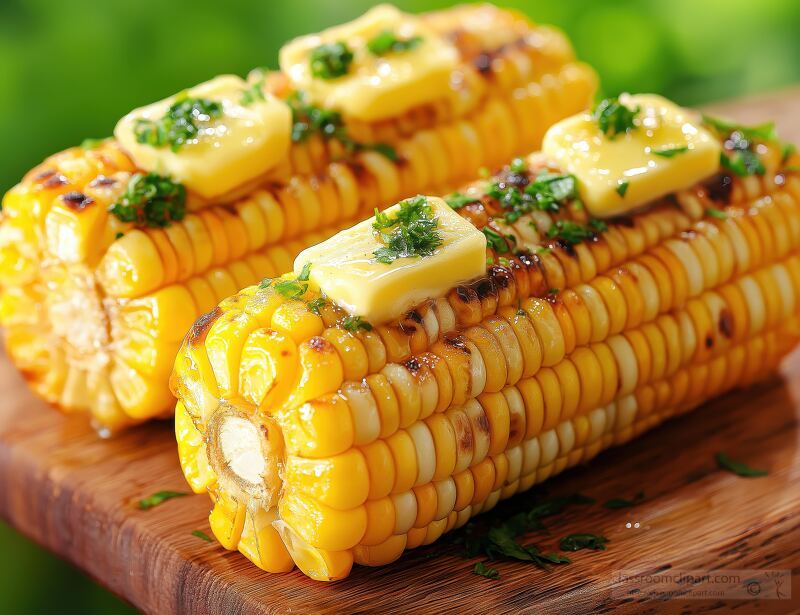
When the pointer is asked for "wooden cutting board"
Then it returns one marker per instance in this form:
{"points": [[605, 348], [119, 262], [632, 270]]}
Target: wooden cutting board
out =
{"points": [[77, 496]]}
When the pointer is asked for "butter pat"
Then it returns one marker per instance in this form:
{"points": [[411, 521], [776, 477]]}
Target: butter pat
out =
{"points": [[243, 143], [375, 87], [345, 269], [629, 163]]}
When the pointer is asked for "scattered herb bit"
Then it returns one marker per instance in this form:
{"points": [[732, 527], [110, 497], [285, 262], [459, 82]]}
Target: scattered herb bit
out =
{"points": [[737, 467], [353, 324], [387, 42], [202, 536], [576, 542], [483, 570], [787, 149], [159, 498], [792, 169], [543, 250], [457, 200], [614, 118], [413, 231], [483, 172], [622, 187], [93, 143], [180, 125], [305, 273], [760, 132], [547, 192], [573, 233], [308, 119], [265, 283], [252, 94], [521, 312], [152, 200], [669, 152], [552, 291], [331, 60], [497, 241], [738, 155], [119, 235], [617, 503], [713, 212], [315, 305], [518, 166], [291, 289]]}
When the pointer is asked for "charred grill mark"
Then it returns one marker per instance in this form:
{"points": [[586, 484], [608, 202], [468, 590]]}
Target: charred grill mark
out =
{"points": [[413, 366], [44, 175], [457, 342], [688, 235], [626, 221], [482, 423], [55, 181], [465, 440], [726, 323], [406, 328], [102, 180], [719, 188], [77, 201], [197, 334], [485, 288], [483, 63], [500, 276], [566, 247], [462, 292], [319, 344], [709, 341], [415, 316]]}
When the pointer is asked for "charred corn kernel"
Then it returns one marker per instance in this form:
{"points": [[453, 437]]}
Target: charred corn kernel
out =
{"points": [[397, 432]]}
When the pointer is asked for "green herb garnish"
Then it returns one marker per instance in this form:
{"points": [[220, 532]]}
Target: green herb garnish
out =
{"points": [[308, 119], [553, 291], [791, 169], [547, 192], [305, 273], [180, 125], [330, 60], [738, 155], [315, 305], [614, 118], [252, 94], [622, 187], [265, 283], [760, 132], [669, 152], [93, 143], [616, 503], [737, 467], [353, 324], [576, 542], [413, 231], [497, 241], [202, 535], [483, 570], [152, 200], [159, 498], [387, 42], [518, 166], [573, 233], [713, 212], [521, 312], [291, 289], [457, 200]]}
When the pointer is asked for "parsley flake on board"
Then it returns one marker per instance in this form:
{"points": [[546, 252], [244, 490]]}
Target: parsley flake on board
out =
{"points": [[202, 535], [331, 60], [483, 570], [614, 118], [159, 498], [576, 542], [737, 467], [387, 42], [408, 233], [670, 152], [308, 119], [617, 503], [151, 200], [181, 124]]}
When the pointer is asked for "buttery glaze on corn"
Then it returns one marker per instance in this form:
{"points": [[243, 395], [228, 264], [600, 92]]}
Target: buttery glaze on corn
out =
{"points": [[345, 447], [94, 309]]}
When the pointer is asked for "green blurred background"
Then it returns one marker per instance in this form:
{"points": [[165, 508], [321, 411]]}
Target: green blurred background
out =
{"points": [[70, 69]]}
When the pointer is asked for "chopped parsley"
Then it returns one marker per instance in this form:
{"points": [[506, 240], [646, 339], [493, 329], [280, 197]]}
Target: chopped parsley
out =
{"points": [[159, 498], [253, 94], [669, 152], [308, 119], [457, 200], [180, 125], [576, 542], [553, 291], [290, 289], [315, 305], [409, 233], [622, 187], [353, 324], [331, 60], [483, 570], [617, 503], [787, 149], [713, 212], [518, 166], [202, 535], [573, 233], [614, 118], [387, 42], [497, 241], [545, 193], [737, 467], [152, 200], [93, 143], [739, 155]]}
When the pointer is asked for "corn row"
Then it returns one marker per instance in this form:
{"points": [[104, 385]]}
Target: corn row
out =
{"points": [[381, 440]]}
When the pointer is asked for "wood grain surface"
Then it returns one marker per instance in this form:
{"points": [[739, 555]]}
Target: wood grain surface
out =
{"points": [[77, 496]]}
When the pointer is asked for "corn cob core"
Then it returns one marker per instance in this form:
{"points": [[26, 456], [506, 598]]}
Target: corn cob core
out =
{"points": [[94, 308], [381, 440]]}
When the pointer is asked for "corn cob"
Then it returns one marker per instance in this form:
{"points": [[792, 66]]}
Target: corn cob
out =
{"points": [[93, 307], [323, 445]]}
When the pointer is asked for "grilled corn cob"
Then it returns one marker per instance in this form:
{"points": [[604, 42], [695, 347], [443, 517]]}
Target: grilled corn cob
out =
{"points": [[95, 302], [325, 441]]}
